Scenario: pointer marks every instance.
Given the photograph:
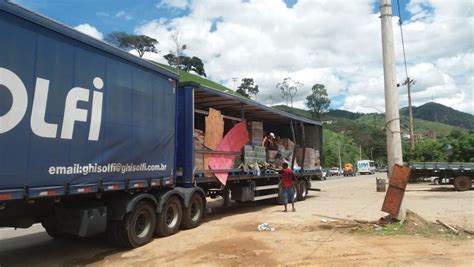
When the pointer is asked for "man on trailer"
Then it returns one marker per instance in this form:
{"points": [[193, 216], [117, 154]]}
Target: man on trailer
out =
{"points": [[287, 186]]}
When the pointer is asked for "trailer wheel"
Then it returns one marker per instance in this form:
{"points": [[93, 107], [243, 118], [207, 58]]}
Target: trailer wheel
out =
{"points": [[192, 215], [303, 192], [462, 183], [296, 191], [136, 229], [169, 219], [50, 224]]}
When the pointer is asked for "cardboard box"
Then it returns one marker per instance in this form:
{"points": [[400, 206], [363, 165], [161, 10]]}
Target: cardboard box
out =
{"points": [[310, 159], [255, 132], [271, 155]]}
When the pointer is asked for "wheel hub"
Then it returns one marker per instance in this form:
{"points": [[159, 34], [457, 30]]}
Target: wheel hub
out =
{"points": [[195, 212], [171, 216], [142, 225]]}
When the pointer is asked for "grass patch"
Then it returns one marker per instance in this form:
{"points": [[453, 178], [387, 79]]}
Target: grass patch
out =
{"points": [[398, 229]]}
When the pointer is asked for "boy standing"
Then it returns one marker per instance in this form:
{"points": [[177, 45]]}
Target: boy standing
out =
{"points": [[287, 177]]}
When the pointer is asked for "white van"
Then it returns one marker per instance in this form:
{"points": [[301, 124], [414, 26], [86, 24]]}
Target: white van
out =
{"points": [[366, 166]]}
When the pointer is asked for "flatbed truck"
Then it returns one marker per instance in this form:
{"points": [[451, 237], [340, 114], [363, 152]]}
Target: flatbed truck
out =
{"points": [[460, 175]]}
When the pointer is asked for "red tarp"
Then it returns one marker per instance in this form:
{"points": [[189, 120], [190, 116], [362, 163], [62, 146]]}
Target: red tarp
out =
{"points": [[233, 141]]}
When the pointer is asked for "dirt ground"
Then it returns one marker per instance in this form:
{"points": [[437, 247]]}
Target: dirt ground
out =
{"points": [[229, 236]]}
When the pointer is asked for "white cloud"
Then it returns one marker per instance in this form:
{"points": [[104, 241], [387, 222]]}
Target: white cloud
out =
{"points": [[179, 4], [89, 30], [336, 43], [123, 15]]}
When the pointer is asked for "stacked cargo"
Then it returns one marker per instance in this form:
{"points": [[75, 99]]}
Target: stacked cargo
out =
{"points": [[253, 154], [311, 157], [255, 132], [198, 145]]}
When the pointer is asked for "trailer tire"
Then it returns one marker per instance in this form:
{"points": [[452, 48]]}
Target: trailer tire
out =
{"points": [[296, 191], [462, 183], [137, 227], [114, 234], [169, 219], [194, 213], [303, 190], [51, 226]]}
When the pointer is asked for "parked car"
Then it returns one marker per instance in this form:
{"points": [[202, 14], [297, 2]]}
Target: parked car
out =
{"points": [[334, 171], [382, 169], [324, 173]]}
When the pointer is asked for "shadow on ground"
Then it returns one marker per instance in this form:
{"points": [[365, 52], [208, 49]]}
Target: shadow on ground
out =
{"points": [[41, 250]]}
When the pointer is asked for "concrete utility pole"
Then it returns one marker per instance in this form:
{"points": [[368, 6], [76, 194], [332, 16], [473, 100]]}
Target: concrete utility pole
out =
{"points": [[392, 116]]}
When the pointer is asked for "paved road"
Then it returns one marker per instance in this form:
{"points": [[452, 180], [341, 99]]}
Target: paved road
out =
{"points": [[340, 197]]}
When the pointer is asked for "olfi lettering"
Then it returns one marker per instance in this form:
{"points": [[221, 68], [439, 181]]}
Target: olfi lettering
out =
{"points": [[38, 123]]}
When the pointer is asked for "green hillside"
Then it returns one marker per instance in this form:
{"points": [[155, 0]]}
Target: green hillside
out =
{"points": [[440, 142], [439, 113], [421, 127], [189, 77], [335, 142]]}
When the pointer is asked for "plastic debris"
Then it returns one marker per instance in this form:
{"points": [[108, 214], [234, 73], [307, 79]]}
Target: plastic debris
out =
{"points": [[265, 227], [324, 220]]}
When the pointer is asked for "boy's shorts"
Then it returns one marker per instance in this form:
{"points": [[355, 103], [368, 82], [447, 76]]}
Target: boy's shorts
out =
{"points": [[288, 194]]}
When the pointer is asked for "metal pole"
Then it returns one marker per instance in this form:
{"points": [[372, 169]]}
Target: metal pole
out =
{"points": [[339, 151], [410, 114], [234, 79], [392, 116], [360, 152]]}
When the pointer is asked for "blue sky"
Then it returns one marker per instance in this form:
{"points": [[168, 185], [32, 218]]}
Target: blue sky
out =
{"points": [[124, 15], [105, 15]]}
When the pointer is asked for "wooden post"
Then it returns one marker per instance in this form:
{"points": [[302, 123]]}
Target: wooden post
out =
{"points": [[303, 144], [294, 141]]}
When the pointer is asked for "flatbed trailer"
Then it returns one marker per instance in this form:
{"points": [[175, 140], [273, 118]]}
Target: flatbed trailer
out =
{"points": [[247, 185], [460, 175], [95, 140]]}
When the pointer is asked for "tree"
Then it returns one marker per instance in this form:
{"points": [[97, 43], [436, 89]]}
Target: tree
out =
{"points": [[429, 150], [318, 101], [178, 59], [179, 47], [248, 88], [140, 43], [186, 63], [288, 89]]}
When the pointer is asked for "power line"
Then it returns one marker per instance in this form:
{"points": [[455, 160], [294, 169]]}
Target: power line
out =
{"points": [[403, 41], [408, 82]]}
